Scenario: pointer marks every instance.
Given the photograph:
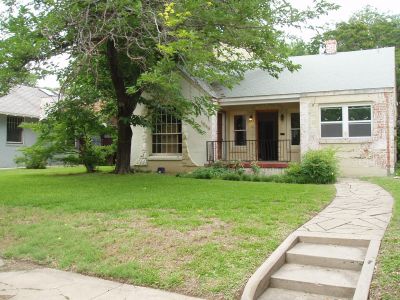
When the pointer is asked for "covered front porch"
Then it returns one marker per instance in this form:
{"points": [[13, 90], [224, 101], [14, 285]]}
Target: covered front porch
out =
{"points": [[266, 133]]}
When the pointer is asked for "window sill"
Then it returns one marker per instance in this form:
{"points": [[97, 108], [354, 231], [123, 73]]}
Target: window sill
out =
{"points": [[14, 144], [165, 157], [353, 140]]}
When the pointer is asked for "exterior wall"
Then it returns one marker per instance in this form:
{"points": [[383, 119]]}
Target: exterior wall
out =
{"points": [[8, 152], [371, 156], [193, 143], [284, 126]]}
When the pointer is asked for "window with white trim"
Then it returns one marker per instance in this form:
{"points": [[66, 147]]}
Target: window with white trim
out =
{"points": [[14, 132], [346, 121], [331, 122], [239, 128], [167, 135]]}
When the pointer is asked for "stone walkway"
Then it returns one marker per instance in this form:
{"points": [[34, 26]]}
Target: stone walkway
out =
{"points": [[360, 209]]}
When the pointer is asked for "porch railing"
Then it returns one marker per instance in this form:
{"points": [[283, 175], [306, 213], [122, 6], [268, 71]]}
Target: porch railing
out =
{"points": [[249, 150]]}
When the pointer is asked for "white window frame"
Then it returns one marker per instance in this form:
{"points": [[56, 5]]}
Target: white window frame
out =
{"points": [[22, 131], [153, 133], [345, 120]]}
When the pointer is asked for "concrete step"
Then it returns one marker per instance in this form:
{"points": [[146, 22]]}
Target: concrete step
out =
{"points": [[282, 294], [317, 280], [327, 255]]}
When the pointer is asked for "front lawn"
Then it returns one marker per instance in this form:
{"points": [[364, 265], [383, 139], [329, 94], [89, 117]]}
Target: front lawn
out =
{"points": [[386, 281], [198, 237]]}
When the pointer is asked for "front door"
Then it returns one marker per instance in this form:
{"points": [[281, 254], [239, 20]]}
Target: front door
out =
{"points": [[267, 123]]}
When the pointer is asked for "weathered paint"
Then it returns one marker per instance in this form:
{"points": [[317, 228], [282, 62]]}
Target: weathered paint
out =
{"points": [[370, 156]]}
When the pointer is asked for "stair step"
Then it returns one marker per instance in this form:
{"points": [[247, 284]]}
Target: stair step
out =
{"points": [[317, 280], [282, 294], [327, 255]]}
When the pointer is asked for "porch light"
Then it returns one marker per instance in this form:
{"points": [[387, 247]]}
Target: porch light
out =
{"points": [[251, 118], [282, 117]]}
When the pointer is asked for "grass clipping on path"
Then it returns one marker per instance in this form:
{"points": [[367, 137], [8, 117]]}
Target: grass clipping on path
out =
{"points": [[386, 280], [201, 238]]}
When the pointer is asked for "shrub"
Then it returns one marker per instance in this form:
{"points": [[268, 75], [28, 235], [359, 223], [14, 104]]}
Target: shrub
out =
{"points": [[247, 177], [320, 166], [231, 176], [255, 168], [317, 166], [34, 157], [209, 172]]}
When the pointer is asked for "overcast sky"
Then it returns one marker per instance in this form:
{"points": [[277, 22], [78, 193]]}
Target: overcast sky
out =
{"points": [[348, 7]]}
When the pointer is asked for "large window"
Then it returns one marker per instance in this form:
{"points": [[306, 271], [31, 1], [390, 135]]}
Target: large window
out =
{"points": [[167, 135], [346, 121], [240, 130], [295, 128], [14, 132]]}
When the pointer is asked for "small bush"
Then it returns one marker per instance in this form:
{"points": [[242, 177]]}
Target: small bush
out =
{"points": [[209, 172], [247, 177], [34, 157], [255, 168], [320, 166]]}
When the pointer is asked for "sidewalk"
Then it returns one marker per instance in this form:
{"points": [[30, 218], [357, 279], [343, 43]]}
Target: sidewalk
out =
{"points": [[35, 283]]}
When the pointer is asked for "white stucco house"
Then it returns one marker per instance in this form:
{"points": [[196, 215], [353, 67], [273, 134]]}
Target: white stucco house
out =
{"points": [[344, 100], [21, 104]]}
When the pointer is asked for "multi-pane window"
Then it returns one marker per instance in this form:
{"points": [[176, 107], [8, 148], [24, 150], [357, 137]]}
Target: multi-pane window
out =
{"points": [[167, 134], [14, 132], [346, 121], [240, 130], [295, 128], [359, 121], [331, 122]]}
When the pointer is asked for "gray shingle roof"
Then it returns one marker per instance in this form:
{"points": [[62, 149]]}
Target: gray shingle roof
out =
{"points": [[354, 70], [25, 101]]}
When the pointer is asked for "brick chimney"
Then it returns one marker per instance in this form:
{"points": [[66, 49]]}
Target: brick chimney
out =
{"points": [[330, 47]]}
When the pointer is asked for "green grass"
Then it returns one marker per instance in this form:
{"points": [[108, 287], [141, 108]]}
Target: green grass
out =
{"points": [[198, 237], [386, 281]]}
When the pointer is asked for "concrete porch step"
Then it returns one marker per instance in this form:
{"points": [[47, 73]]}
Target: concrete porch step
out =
{"points": [[327, 255], [317, 280], [282, 294]]}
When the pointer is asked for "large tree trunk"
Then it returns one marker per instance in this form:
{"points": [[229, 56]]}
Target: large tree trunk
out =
{"points": [[123, 161], [126, 105]]}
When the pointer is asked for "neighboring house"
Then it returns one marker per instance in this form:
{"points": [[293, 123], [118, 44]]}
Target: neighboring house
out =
{"points": [[21, 104], [342, 100]]}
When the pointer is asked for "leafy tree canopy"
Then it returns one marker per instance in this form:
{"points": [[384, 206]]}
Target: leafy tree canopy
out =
{"points": [[136, 48]]}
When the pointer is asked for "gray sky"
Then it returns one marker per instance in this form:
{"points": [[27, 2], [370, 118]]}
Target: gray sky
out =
{"points": [[348, 7]]}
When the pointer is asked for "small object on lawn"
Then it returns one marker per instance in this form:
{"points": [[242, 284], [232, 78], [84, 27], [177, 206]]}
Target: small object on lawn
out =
{"points": [[161, 170]]}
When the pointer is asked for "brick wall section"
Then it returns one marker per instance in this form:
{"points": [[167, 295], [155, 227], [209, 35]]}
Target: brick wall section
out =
{"points": [[372, 156]]}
